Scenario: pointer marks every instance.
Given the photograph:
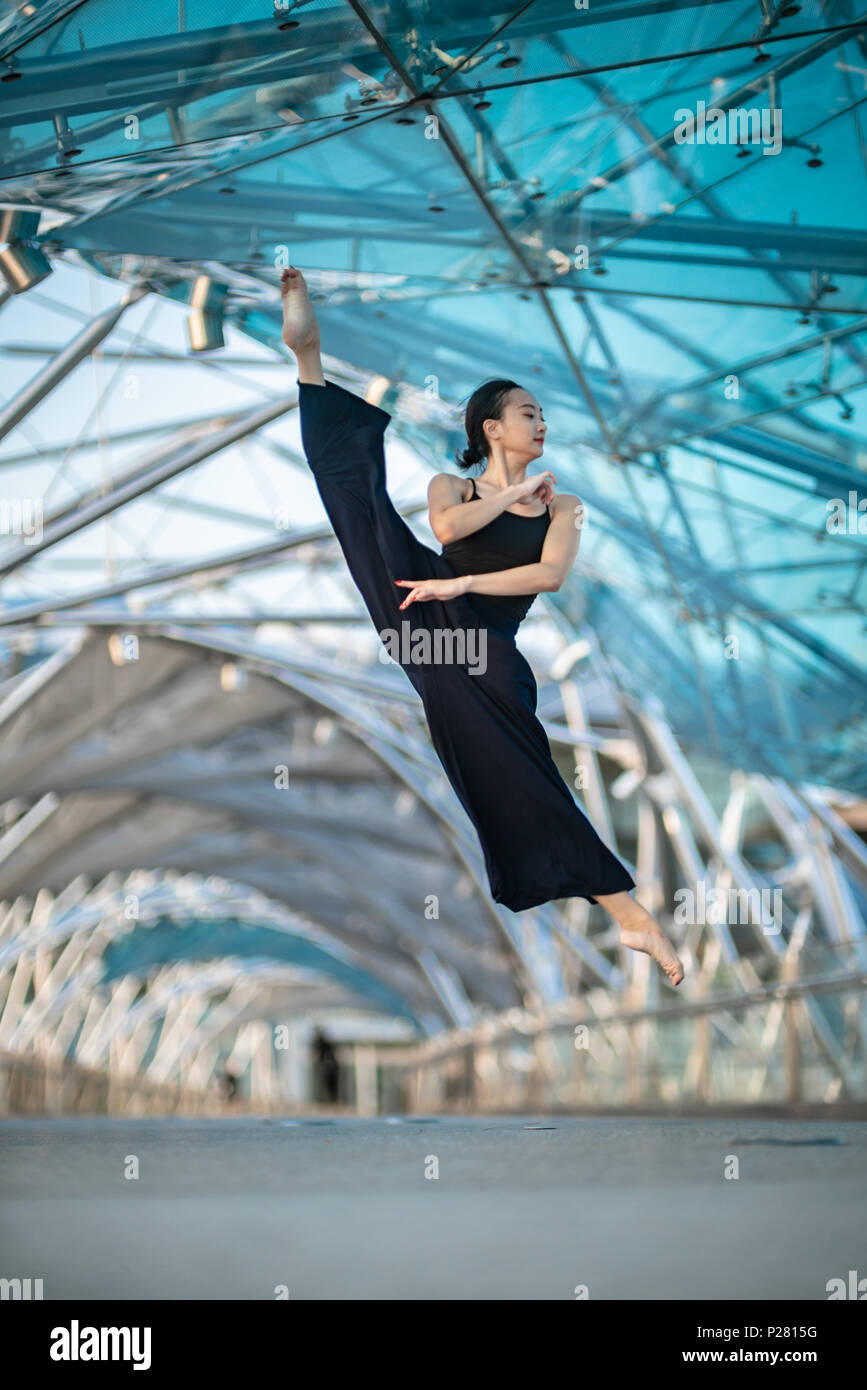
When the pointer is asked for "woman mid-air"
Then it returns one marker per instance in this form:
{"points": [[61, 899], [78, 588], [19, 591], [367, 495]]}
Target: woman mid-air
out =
{"points": [[499, 551]]}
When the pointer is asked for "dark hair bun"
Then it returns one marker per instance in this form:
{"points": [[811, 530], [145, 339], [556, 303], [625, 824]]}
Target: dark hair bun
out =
{"points": [[469, 457], [486, 403]]}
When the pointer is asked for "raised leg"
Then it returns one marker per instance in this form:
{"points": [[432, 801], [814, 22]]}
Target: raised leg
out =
{"points": [[342, 437], [300, 329], [641, 932]]}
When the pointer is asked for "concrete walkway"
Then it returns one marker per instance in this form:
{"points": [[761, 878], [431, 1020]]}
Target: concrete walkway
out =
{"points": [[523, 1207]]}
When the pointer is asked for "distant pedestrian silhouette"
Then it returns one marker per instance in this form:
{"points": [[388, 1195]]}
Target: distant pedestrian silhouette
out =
{"points": [[326, 1069], [228, 1084]]}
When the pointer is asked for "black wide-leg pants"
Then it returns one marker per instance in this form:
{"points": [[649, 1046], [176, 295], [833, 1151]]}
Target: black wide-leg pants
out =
{"points": [[537, 844]]}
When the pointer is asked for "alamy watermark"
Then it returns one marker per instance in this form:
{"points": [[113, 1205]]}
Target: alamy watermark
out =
{"points": [[854, 1287], [709, 125], [21, 1289], [77, 1343], [437, 646], [847, 519], [730, 906], [22, 516]]}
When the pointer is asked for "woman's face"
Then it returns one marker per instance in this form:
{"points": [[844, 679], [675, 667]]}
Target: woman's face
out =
{"points": [[521, 431]]}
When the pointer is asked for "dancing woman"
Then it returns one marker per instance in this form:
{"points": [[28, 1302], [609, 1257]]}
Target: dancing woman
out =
{"points": [[499, 551]]}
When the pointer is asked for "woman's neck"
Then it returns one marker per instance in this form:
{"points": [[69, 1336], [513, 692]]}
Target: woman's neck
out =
{"points": [[503, 470]]}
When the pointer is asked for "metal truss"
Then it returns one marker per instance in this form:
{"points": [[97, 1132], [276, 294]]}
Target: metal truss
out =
{"points": [[77, 964]]}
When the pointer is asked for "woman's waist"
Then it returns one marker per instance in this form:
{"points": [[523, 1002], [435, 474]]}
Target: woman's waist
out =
{"points": [[502, 612]]}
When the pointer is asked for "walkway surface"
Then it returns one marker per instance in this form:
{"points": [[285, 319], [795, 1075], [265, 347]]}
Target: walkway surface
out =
{"points": [[523, 1207]]}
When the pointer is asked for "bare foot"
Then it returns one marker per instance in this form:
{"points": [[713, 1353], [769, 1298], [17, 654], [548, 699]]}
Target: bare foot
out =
{"points": [[300, 329], [651, 939]]}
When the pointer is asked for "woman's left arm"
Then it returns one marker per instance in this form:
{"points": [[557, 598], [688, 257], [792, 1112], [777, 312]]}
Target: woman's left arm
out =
{"points": [[558, 556]]}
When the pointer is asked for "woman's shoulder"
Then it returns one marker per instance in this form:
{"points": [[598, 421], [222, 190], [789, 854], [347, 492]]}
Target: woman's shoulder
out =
{"points": [[448, 488], [567, 502]]}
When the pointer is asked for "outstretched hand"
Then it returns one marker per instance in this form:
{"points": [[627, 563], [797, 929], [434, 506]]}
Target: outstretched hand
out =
{"points": [[423, 589]]}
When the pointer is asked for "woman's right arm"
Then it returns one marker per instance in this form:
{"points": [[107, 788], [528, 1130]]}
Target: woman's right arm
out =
{"points": [[451, 518]]}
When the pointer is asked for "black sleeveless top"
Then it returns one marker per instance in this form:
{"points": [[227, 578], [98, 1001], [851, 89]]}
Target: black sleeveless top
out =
{"points": [[503, 544]]}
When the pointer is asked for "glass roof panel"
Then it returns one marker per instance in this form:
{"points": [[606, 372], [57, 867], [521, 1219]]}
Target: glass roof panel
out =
{"points": [[471, 192]]}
